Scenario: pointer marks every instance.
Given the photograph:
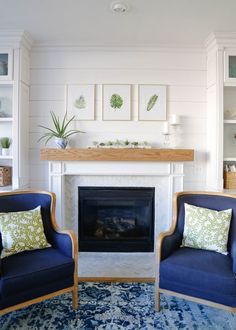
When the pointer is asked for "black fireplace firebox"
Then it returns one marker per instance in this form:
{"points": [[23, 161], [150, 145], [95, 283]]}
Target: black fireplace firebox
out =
{"points": [[116, 219]]}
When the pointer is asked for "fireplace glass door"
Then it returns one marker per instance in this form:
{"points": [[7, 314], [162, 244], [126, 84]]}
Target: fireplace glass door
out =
{"points": [[116, 219]]}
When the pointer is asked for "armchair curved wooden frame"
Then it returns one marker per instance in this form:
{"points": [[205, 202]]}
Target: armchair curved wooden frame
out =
{"points": [[158, 254], [73, 289]]}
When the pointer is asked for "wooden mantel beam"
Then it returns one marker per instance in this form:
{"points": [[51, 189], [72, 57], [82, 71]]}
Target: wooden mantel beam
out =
{"points": [[117, 154]]}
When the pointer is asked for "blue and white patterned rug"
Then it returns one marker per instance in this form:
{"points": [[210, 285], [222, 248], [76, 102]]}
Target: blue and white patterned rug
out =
{"points": [[117, 306]]}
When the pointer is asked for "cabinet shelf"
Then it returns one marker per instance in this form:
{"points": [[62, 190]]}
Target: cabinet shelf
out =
{"points": [[6, 119], [230, 121], [230, 159], [230, 191], [6, 82], [229, 84], [6, 157], [6, 188]]}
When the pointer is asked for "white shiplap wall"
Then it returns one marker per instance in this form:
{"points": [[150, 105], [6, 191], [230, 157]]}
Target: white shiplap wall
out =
{"points": [[182, 71]]}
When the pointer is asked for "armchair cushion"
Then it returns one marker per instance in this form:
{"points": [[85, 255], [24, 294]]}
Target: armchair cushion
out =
{"points": [[199, 273], [206, 228], [22, 231], [35, 272]]}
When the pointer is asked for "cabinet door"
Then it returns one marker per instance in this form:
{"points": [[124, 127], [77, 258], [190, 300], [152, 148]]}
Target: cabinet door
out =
{"points": [[5, 64]]}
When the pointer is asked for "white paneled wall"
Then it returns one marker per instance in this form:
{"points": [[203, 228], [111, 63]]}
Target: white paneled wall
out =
{"points": [[182, 71]]}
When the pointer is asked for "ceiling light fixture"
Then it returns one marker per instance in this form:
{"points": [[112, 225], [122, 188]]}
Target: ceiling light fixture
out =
{"points": [[119, 7]]}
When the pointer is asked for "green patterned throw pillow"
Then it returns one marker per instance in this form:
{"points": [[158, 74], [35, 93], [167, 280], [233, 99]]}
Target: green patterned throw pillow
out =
{"points": [[22, 231], [206, 229]]}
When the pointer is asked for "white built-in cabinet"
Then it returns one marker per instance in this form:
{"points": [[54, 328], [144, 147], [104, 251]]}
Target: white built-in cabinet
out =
{"points": [[221, 107], [14, 105]]}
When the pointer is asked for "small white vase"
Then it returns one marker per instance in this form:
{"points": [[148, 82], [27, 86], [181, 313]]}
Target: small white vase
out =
{"points": [[5, 151], [61, 143]]}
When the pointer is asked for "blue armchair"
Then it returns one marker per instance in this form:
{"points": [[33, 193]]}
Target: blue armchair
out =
{"points": [[202, 276], [30, 277]]}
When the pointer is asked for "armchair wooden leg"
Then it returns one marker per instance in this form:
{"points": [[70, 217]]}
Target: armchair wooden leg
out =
{"points": [[75, 297], [158, 301]]}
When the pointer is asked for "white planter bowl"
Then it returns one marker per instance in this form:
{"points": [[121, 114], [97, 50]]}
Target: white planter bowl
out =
{"points": [[61, 143], [5, 151]]}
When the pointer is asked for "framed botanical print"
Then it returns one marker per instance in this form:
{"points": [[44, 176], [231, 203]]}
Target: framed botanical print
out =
{"points": [[116, 102], [80, 101], [152, 102]]}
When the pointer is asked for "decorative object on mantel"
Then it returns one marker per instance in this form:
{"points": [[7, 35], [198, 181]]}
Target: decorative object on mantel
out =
{"points": [[174, 123], [166, 133], [174, 120], [152, 102], [5, 144], [117, 154], [60, 133], [116, 102], [80, 101], [122, 144]]}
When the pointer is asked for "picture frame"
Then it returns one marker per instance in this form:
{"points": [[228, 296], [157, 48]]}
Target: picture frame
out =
{"points": [[152, 102], [116, 102], [80, 101]]}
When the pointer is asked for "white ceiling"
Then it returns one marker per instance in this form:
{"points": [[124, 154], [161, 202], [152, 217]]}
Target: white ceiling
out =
{"points": [[91, 22]]}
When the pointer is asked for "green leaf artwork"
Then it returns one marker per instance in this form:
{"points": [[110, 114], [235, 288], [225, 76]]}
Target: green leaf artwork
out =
{"points": [[152, 101], [80, 103], [116, 101]]}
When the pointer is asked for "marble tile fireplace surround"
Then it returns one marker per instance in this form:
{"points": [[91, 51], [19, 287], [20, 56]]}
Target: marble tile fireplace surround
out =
{"points": [[65, 176]]}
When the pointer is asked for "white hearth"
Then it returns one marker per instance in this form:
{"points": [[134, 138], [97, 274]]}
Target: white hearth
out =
{"points": [[66, 177]]}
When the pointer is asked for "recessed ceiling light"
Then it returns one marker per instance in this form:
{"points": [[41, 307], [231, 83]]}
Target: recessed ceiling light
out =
{"points": [[119, 7]]}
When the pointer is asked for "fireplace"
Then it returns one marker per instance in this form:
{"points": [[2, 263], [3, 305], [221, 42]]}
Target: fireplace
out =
{"points": [[116, 219]]}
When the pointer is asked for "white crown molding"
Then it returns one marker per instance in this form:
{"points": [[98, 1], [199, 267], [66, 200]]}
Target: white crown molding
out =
{"points": [[210, 42], [50, 46], [15, 38], [220, 40], [27, 40]]}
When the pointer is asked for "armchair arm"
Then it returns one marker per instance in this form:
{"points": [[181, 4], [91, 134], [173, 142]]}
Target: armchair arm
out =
{"points": [[65, 241], [233, 256], [171, 239], [0, 256], [169, 242]]}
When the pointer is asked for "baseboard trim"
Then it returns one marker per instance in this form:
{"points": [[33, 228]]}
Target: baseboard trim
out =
{"points": [[118, 279]]}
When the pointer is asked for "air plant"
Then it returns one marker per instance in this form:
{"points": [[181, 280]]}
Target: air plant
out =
{"points": [[60, 129]]}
